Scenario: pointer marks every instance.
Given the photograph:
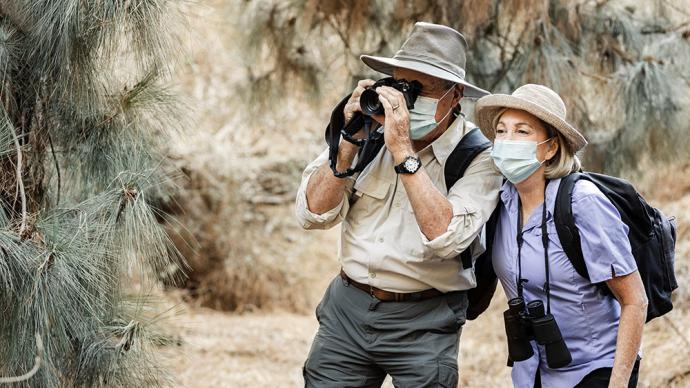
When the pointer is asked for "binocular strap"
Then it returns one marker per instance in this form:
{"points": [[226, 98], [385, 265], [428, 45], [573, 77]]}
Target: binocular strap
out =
{"points": [[545, 244]]}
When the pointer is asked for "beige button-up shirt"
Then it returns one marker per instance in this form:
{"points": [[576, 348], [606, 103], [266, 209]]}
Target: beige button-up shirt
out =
{"points": [[381, 243]]}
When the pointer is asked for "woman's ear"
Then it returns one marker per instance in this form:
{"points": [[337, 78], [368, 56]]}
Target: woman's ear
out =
{"points": [[553, 148]]}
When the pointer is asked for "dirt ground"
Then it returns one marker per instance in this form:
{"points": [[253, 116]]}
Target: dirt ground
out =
{"points": [[268, 349]]}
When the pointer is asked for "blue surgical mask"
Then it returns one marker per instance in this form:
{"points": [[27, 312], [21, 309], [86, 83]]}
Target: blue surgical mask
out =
{"points": [[423, 116], [516, 159]]}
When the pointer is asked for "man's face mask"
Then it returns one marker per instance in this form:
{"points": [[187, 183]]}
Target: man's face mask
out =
{"points": [[423, 116], [516, 159]]}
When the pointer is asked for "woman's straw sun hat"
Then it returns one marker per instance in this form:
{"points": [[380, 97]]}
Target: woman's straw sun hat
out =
{"points": [[537, 100]]}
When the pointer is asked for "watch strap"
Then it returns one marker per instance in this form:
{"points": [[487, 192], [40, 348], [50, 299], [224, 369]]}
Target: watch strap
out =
{"points": [[401, 169]]}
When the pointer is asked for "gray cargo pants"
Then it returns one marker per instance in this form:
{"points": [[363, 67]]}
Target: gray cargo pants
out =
{"points": [[361, 339]]}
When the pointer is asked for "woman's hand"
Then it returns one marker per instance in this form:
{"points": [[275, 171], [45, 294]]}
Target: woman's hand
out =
{"points": [[629, 291]]}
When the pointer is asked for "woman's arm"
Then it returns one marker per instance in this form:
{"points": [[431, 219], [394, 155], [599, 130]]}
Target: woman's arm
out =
{"points": [[629, 291]]}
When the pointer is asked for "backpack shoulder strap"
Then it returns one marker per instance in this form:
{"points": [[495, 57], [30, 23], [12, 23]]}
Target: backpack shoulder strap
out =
{"points": [[472, 144], [565, 223]]}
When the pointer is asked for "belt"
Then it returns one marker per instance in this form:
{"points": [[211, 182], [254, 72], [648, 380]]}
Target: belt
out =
{"points": [[388, 296]]}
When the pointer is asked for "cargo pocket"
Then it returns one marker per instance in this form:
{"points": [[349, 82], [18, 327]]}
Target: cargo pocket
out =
{"points": [[447, 374], [457, 305], [368, 191], [326, 296]]}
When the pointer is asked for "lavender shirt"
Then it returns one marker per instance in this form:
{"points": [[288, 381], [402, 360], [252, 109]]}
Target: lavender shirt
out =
{"points": [[588, 320]]}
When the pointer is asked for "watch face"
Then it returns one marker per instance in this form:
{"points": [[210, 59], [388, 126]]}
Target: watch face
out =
{"points": [[411, 164]]}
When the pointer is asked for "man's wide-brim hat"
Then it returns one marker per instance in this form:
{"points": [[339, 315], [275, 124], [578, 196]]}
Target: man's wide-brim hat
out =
{"points": [[432, 49], [539, 101]]}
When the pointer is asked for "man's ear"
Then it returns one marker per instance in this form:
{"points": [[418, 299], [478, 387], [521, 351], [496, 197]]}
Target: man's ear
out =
{"points": [[458, 91]]}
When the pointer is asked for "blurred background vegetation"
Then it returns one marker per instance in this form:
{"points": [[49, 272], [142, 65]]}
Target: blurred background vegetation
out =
{"points": [[270, 71], [262, 78]]}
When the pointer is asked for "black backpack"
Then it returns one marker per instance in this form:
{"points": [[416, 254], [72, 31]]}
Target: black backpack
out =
{"points": [[652, 239], [652, 236]]}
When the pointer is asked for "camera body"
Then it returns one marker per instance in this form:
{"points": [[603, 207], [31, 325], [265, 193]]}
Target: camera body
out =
{"points": [[526, 323], [369, 100]]}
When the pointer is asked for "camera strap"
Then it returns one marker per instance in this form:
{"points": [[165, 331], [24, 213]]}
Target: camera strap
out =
{"points": [[545, 244], [338, 128]]}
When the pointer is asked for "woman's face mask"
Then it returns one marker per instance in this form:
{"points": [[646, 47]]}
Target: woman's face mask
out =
{"points": [[516, 159], [423, 116]]}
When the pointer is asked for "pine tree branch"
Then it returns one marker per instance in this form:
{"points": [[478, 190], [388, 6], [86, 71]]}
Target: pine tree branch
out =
{"points": [[37, 365], [57, 168], [20, 182]]}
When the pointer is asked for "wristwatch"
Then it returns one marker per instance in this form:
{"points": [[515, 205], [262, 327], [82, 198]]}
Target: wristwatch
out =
{"points": [[410, 165]]}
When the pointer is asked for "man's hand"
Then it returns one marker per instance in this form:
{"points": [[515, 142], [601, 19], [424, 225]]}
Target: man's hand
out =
{"points": [[347, 151], [352, 105], [397, 123]]}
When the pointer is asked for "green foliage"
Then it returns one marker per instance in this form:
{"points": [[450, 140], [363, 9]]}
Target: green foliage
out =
{"points": [[84, 108]]}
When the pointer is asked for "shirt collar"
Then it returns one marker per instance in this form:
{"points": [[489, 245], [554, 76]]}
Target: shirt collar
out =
{"points": [[445, 144], [509, 196]]}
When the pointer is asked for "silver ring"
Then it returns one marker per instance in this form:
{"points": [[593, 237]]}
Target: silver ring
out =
{"points": [[396, 107]]}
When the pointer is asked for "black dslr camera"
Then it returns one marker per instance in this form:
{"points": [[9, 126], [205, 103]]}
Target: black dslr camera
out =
{"points": [[369, 100], [524, 325]]}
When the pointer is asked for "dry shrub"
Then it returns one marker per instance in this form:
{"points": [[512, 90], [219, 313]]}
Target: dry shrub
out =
{"points": [[234, 226]]}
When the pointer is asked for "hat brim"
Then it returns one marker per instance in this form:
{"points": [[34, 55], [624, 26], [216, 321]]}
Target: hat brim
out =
{"points": [[488, 107], [386, 66]]}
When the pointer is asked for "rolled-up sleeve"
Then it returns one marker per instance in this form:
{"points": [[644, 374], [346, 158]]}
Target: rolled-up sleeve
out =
{"points": [[310, 220], [473, 197], [604, 237]]}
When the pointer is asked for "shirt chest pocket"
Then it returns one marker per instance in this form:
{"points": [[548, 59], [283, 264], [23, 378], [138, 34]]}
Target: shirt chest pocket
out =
{"points": [[369, 193]]}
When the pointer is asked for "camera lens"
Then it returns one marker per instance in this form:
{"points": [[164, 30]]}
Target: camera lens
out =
{"points": [[370, 104]]}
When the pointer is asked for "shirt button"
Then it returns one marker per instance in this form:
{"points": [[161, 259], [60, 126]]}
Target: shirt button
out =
{"points": [[372, 275]]}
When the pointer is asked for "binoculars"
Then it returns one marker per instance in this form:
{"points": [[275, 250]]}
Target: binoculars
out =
{"points": [[532, 323]]}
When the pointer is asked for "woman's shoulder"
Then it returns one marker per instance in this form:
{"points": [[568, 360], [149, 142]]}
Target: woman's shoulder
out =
{"points": [[589, 204], [586, 189]]}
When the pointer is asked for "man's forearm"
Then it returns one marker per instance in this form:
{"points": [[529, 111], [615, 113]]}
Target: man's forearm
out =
{"points": [[432, 210], [324, 190]]}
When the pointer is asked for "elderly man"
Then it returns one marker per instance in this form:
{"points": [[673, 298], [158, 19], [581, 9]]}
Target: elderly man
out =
{"points": [[399, 303]]}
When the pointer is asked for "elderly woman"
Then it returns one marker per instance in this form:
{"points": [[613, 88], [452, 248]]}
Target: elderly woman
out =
{"points": [[534, 147]]}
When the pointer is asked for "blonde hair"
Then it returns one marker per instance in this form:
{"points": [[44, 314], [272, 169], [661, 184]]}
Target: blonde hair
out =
{"points": [[564, 161]]}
